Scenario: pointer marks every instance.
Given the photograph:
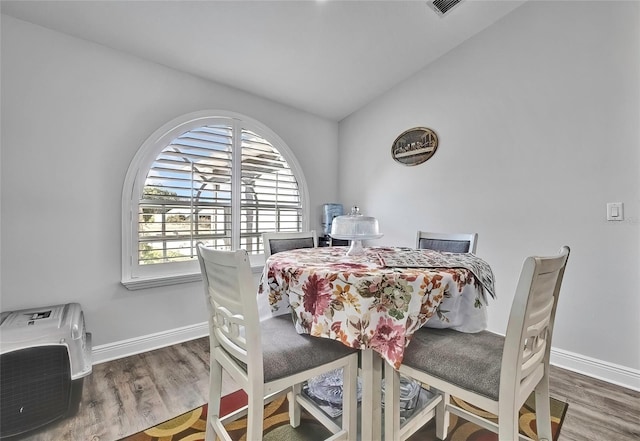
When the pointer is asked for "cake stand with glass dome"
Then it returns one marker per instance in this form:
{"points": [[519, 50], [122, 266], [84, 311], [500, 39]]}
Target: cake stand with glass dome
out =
{"points": [[356, 228]]}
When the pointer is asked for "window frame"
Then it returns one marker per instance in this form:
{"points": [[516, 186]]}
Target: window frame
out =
{"points": [[135, 276]]}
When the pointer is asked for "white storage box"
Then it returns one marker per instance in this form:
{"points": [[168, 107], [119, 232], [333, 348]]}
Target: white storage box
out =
{"points": [[45, 353]]}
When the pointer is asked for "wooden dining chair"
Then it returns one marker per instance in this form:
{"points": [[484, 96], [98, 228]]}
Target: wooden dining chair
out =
{"points": [[275, 242], [489, 371], [450, 242], [265, 358]]}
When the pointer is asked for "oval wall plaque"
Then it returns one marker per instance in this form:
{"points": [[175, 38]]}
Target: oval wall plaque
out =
{"points": [[414, 146]]}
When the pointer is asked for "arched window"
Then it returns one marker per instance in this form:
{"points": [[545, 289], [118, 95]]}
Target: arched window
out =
{"points": [[213, 177]]}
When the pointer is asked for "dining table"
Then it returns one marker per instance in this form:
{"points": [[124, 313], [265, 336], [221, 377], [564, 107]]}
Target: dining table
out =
{"points": [[375, 301]]}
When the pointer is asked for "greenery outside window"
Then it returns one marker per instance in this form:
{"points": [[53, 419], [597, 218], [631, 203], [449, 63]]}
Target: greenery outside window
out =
{"points": [[216, 177]]}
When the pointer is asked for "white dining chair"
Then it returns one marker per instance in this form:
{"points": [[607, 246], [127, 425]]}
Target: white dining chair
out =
{"points": [[275, 242], [489, 371], [449, 242], [265, 358]]}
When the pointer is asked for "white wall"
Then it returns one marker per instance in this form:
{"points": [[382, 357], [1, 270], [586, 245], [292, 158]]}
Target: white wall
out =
{"points": [[538, 124], [538, 119], [73, 116]]}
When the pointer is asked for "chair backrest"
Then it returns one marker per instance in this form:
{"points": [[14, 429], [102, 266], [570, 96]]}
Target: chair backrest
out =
{"points": [[453, 243], [527, 345], [232, 305], [275, 242]]}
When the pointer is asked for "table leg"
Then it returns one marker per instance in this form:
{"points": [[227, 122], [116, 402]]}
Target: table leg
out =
{"points": [[371, 417]]}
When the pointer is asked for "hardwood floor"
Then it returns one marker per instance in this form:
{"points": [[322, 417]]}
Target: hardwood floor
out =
{"points": [[598, 411], [125, 396]]}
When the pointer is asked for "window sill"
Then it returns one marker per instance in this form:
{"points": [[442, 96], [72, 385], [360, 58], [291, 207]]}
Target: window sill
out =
{"points": [[154, 282]]}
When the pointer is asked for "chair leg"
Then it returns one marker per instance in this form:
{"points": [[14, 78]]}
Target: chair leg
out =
{"points": [[543, 410], [442, 416], [255, 413], [350, 399], [209, 434], [508, 421], [391, 403], [294, 406], [215, 394]]}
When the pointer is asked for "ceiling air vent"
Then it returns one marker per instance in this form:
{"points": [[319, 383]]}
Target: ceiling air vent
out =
{"points": [[443, 6]]}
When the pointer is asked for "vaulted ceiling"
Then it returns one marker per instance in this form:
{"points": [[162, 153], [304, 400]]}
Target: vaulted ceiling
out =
{"points": [[326, 57]]}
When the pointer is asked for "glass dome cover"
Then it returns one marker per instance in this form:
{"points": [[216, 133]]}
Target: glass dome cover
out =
{"points": [[356, 228]]}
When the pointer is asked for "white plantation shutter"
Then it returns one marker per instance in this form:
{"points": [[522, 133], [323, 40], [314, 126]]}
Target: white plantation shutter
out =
{"points": [[187, 197], [218, 180], [270, 199]]}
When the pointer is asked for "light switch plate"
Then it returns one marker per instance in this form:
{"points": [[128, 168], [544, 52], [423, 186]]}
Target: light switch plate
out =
{"points": [[615, 211]]}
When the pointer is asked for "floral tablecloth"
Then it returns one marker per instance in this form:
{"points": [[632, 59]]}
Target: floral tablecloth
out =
{"points": [[364, 302]]}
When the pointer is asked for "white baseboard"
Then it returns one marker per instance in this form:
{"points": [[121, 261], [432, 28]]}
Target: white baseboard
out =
{"points": [[132, 346], [602, 370], [609, 372]]}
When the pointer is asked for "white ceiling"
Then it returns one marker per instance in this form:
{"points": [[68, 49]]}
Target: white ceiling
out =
{"points": [[326, 57]]}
